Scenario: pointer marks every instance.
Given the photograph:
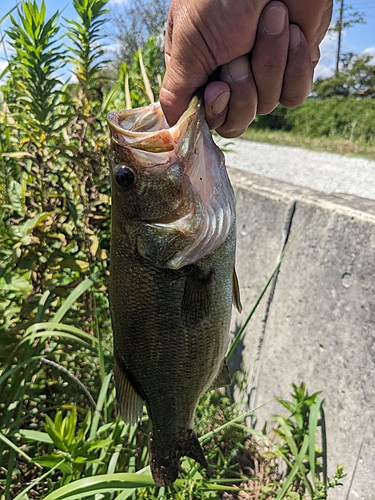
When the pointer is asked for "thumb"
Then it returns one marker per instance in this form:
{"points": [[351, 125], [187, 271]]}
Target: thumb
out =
{"points": [[187, 63], [182, 78]]}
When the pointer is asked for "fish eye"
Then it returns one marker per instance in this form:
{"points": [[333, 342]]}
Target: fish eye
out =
{"points": [[124, 176]]}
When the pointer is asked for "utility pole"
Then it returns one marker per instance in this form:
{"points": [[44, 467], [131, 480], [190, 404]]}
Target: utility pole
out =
{"points": [[339, 30]]}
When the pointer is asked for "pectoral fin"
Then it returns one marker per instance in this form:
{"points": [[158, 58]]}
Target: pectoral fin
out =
{"points": [[197, 298], [236, 299], [129, 402], [223, 377]]}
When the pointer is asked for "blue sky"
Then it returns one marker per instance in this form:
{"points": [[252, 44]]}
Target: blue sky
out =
{"points": [[359, 39]]}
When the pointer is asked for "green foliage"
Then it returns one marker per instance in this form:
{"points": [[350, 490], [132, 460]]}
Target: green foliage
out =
{"points": [[347, 19], [345, 118], [356, 78], [86, 51], [55, 184], [133, 86], [297, 446], [40, 107], [134, 23]]}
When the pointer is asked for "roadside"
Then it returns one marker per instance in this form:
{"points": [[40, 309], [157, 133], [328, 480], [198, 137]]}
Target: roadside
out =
{"points": [[327, 172], [341, 146]]}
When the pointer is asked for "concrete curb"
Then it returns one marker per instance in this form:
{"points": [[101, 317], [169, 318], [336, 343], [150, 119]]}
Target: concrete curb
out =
{"points": [[316, 323]]}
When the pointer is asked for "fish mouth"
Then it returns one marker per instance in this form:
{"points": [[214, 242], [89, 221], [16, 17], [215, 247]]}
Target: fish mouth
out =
{"points": [[155, 146], [146, 129]]}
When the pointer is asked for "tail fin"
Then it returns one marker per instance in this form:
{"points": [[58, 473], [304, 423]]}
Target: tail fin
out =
{"points": [[165, 456]]}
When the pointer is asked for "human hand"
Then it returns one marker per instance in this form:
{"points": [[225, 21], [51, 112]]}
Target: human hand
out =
{"points": [[215, 37]]}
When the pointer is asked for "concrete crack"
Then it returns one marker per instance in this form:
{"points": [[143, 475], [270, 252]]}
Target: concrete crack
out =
{"points": [[258, 360]]}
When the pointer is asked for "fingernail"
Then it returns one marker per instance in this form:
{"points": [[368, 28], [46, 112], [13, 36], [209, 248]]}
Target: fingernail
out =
{"points": [[220, 103], [274, 20], [239, 69], [294, 36]]}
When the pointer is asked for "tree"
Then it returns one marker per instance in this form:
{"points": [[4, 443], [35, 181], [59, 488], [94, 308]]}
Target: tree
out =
{"points": [[356, 77], [133, 24], [347, 18]]}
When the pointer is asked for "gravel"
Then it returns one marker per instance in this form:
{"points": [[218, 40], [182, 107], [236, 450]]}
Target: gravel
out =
{"points": [[327, 172]]}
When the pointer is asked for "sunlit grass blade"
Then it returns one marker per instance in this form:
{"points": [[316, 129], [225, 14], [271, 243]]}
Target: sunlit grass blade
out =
{"points": [[4, 18], [99, 406], [61, 330], [128, 100], [100, 346], [63, 336], [22, 495], [251, 313], [313, 423], [69, 301], [110, 97], [146, 80], [109, 483], [14, 447], [298, 456], [206, 437], [106, 483], [38, 436], [116, 454], [130, 492]]}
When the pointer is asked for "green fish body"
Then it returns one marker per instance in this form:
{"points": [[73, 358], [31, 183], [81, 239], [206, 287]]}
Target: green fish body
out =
{"points": [[172, 275]]}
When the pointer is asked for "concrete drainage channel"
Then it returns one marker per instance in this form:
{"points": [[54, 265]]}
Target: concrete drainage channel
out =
{"points": [[316, 322]]}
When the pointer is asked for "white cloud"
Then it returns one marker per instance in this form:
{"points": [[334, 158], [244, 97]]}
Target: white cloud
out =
{"points": [[3, 65], [328, 48], [117, 2], [326, 65], [322, 71], [73, 78], [112, 47], [370, 51]]}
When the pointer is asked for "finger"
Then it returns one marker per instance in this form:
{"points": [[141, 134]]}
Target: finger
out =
{"points": [[269, 56], [298, 78], [243, 97], [216, 99], [313, 18]]}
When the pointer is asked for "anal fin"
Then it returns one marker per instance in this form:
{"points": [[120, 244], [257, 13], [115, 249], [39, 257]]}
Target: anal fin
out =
{"points": [[130, 403], [223, 377], [236, 299]]}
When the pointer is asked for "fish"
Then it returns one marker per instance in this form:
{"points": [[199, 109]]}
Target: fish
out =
{"points": [[172, 274]]}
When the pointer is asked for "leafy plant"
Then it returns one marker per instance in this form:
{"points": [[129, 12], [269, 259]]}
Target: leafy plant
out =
{"points": [[57, 205], [296, 445]]}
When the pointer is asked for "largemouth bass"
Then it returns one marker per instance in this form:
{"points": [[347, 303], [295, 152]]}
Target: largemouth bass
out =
{"points": [[172, 274]]}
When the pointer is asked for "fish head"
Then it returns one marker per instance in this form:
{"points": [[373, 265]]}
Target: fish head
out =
{"points": [[171, 198]]}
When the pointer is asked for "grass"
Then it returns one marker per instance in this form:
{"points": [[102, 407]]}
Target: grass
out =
{"points": [[76, 447], [340, 146]]}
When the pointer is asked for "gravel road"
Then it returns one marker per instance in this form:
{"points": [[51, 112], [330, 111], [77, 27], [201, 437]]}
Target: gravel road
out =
{"points": [[327, 172]]}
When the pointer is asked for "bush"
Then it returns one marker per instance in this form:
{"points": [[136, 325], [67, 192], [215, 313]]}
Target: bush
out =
{"points": [[344, 117]]}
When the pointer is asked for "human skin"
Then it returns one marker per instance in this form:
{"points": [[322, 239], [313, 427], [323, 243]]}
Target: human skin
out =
{"points": [[248, 54]]}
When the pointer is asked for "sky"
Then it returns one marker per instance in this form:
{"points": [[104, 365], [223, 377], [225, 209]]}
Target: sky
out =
{"points": [[358, 39]]}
